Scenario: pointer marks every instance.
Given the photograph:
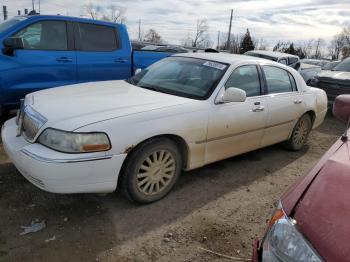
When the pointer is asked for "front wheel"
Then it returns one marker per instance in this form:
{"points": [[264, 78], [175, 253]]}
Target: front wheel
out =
{"points": [[300, 133], [151, 170]]}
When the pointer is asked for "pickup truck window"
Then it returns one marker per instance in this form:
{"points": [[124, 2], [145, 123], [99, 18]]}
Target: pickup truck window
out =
{"points": [[96, 38], [46, 35], [181, 76], [278, 80], [245, 78]]}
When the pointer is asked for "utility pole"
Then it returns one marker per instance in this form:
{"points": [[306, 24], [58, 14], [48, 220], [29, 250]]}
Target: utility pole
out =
{"points": [[4, 11], [229, 31], [32, 4], [39, 6], [218, 46], [140, 30]]}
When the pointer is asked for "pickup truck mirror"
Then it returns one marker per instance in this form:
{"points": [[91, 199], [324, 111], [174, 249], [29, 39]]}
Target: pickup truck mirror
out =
{"points": [[138, 70], [233, 94], [341, 107], [11, 44]]}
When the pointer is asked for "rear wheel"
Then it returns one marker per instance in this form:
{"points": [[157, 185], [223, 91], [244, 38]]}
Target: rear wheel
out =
{"points": [[151, 170], [300, 133]]}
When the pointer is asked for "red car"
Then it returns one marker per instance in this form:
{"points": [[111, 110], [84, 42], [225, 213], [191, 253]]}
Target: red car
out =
{"points": [[312, 221]]}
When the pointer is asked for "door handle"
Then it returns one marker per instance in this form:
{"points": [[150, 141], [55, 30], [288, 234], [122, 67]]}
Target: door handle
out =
{"points": [[258, 109], [298, 101], [121, 60], [64, 59]]}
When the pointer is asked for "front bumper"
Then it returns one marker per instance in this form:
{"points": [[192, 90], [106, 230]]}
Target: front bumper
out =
{"points": [[58, 172]]}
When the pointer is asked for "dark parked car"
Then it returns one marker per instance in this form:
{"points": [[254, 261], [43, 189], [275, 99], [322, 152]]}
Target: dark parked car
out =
{"points": [[311, 222], [335, 82]]}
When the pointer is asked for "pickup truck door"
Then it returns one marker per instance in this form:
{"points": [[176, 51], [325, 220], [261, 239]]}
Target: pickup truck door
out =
{"points": [[286, 104], [101, 53], [235, 128], [47, 60]]}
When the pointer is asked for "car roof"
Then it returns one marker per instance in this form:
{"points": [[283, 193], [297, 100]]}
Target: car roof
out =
{"points": [[69, 18], [226, 58], [271, 53]]}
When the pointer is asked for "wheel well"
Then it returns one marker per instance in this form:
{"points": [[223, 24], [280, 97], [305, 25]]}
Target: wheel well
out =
{"points": [[312, 115], [179, 141]]}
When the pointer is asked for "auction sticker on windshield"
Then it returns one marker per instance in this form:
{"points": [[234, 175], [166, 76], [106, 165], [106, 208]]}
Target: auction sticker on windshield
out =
{"points": [[215, 65]]}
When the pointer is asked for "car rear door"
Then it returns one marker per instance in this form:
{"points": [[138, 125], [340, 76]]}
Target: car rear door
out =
{"points": [[285, 102], [47, 60], [235, 128], [100, 54]]}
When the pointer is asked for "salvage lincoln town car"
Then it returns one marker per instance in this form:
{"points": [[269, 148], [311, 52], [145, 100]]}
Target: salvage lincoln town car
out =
{"points": [[181, 113]]}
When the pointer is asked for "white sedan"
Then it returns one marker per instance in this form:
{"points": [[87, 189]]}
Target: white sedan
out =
{"points": [[181, 113]]}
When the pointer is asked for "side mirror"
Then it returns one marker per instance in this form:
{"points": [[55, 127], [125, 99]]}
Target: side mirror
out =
{"points": [[341, 110], [11, 44], [341, 107], [233, 94], [138, 70]]}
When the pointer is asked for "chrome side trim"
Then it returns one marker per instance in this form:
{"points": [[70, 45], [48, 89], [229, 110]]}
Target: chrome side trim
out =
{"points": [[60, 161], [241, 133]]}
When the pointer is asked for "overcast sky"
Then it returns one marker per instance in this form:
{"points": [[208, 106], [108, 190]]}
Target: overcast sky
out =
{"points": [[273, 20]]}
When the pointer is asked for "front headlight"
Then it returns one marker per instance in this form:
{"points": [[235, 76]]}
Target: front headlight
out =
{"points": [[72, 142], [283, 241]]}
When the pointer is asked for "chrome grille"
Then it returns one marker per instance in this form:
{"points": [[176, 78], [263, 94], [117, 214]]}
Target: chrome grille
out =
{"points": [[32, 121]]}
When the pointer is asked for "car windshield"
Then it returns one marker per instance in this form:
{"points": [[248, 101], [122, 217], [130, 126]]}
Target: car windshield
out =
{"points": [[9, 23], [181, 76], [343, 66], [330, 65]]}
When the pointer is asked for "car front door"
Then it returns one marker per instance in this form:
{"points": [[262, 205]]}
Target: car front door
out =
{"points": [[285, 104], [47, 60], [235, 128], [100, 55]]}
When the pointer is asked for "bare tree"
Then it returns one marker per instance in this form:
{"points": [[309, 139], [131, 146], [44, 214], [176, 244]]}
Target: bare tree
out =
{"points": [[201, 35], [336, 46], [115, 14], [92, 10], [153, 37], [112, 13], [318, 46], [260, 43]]}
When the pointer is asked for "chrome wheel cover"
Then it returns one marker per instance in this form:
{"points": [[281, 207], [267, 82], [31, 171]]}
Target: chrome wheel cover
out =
{"points": [[301, 132], [156, 172]]}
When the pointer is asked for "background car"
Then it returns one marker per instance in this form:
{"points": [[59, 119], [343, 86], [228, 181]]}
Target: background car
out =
{"points": [[311, 221], [307, 71], [318, 62], [181, 113], [334, 82]]}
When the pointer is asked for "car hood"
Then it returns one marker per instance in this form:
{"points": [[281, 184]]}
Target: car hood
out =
{"points": [[322, 209], [71, 107], [334, 75]]}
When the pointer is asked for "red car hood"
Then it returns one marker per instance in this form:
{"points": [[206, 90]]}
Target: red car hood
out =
{"points": [[320, 203]]}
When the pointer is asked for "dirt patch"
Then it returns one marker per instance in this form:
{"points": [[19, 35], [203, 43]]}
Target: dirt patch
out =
{"points": [[221, 207]]}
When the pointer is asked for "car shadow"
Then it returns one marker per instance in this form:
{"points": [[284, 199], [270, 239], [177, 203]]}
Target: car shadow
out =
{"points": [[87, 225]]}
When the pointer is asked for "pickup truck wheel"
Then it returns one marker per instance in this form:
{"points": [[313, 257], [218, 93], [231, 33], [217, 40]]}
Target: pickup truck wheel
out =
{"points": [[300, 133], [151, 170]]}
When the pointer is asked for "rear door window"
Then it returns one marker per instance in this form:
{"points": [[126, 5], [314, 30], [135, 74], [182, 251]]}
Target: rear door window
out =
{"points": [[278, 80], [96, 37]]}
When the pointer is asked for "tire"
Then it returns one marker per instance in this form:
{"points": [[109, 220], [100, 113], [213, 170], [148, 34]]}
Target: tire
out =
{"points": [[300, 133], [151, 170]]}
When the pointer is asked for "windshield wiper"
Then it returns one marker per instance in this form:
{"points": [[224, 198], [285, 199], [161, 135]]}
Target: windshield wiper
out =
{"points": [[154, 88]]}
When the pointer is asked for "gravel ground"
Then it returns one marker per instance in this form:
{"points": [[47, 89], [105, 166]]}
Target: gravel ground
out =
{"points": [[221, 207]]}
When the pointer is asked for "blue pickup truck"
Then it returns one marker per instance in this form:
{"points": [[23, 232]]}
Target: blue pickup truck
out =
{"points": [[41, 51]]}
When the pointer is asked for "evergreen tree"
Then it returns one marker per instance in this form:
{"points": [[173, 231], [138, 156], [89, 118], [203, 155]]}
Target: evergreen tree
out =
{"points": [[246, 43], [290, 50]]}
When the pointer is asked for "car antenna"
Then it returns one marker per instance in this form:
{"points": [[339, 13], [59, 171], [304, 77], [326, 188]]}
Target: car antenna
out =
{"points": [[345, 137]]}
